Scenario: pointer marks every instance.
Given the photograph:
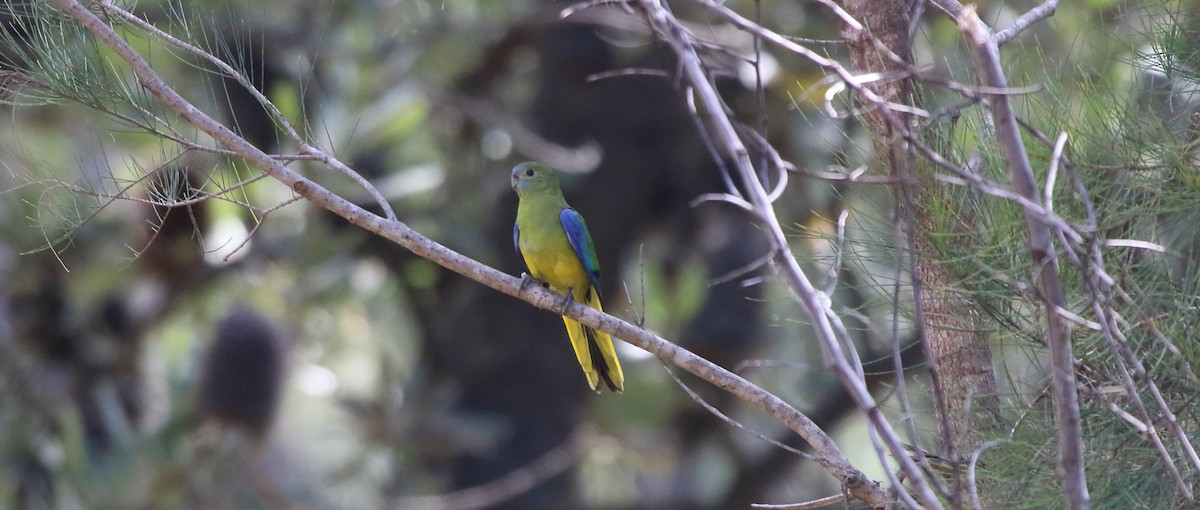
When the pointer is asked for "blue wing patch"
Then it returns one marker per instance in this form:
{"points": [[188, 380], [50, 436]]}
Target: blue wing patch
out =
{"points": [[517, 238], [581, 241]]}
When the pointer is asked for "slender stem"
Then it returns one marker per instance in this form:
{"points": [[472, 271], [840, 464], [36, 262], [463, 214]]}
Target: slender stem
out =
{"points": [[1030, 17]]}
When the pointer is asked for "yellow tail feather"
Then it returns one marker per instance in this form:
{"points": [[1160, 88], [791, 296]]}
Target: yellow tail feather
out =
{"points": [[579, 342], [594, 349], [595, 352], [616, 377]]}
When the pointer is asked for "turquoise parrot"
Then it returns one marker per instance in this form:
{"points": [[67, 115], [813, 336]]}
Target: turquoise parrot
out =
{"points": [[558, 251]]}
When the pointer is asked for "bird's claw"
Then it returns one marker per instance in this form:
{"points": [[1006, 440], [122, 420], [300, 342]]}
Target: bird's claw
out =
{"points": [[526, 279], [566, 302]]}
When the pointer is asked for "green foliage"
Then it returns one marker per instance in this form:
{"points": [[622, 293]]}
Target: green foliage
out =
{"points": [[1123, 470], [1128, 176]]}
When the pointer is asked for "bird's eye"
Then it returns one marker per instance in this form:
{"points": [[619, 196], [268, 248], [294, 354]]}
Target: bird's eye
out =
{"points": [[529, 172]]}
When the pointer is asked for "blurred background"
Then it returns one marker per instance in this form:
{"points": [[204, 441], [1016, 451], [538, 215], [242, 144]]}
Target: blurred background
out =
{"points": [[256, 352]]}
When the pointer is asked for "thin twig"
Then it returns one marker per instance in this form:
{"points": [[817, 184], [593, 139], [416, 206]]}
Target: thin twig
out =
{"points": [[971, 485], [807, 505], [856, 176], [506, 487], [259, 223], [1137, 424], [741, 271], [723, 197], [774, 158], [839, 246], [1030, 17], [627, 71], [728, 420], [1052, 173]]}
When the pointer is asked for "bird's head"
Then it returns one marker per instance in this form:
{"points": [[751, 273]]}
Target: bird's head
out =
{"points": [[530, 176]]}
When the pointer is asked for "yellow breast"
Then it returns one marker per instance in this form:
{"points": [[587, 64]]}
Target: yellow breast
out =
{"points": [[558, 267]]}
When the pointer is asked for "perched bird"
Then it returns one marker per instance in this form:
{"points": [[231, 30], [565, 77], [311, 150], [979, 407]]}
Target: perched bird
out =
{"points": [[558, 251]]}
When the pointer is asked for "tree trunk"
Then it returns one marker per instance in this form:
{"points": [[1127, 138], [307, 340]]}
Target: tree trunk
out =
{"points": [[955, 343]]}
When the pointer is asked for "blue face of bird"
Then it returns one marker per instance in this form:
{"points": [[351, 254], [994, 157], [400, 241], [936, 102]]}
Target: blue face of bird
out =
{"points": [[518, 174], [526, 176]]}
